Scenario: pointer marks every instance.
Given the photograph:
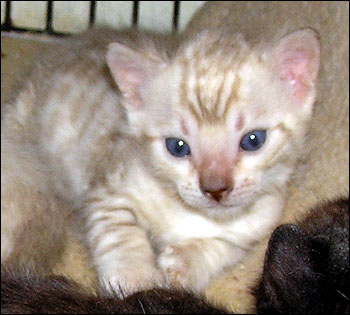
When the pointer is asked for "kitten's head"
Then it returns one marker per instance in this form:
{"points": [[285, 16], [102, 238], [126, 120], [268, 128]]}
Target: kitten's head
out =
{"points": [[224, 122]]}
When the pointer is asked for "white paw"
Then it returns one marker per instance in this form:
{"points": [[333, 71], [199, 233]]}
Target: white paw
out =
{"points": [[175, 267], [127, 282]]}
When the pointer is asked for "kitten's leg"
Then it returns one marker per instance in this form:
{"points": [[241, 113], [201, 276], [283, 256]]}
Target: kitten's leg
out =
{"points": [[121, 251], [192, 263]]}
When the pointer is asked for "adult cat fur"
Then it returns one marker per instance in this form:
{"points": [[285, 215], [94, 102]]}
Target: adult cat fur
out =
{"points": [[57, 295], [306, 266], [324, 175]]}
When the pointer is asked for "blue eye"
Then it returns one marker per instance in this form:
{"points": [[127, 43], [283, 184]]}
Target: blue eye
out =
{"points": [[177, 147], [253, 140]]}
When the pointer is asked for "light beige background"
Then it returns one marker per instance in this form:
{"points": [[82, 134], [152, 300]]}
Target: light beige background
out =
{"points": [[73, 16]]}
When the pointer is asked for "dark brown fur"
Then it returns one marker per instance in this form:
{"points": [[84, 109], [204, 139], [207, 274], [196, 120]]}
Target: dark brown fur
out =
{"points": [[306, 268], [58, 295]]}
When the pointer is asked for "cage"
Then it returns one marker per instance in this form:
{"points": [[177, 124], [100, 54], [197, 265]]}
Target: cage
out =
{"points": [[64, 17], [28, 27]]}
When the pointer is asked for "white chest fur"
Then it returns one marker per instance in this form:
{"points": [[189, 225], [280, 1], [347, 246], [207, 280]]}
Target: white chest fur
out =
{"points": [[169, 220]]}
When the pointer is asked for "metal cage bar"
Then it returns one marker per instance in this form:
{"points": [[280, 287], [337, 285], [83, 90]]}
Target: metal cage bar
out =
{"points": [[9, 26]]}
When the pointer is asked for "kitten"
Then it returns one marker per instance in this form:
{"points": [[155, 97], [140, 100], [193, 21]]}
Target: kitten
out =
{"points": [[306, 269], [178, 166]]}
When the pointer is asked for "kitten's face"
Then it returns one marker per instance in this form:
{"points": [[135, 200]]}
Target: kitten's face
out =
{"points": [[221, 151], [224, 123]]}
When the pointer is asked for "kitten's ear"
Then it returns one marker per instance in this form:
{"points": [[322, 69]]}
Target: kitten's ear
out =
{"points": [[130, 69], [296, 59]]}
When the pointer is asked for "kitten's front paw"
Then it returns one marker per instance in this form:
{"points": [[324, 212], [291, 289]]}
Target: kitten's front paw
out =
{"points": [[175, 267], [180, 268], [127, 282]]}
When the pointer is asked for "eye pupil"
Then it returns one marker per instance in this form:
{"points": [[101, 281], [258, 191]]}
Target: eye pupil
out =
{"points": [[253, 140], [177, 147]]}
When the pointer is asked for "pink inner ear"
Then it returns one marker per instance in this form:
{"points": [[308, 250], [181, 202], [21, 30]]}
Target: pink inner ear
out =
{"points": [[130, 70], [131, 77], [296, 71], [128, 78], [295, 60]]}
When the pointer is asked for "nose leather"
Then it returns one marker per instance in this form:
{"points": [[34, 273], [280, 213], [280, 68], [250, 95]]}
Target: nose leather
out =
{"points": [[217, 194], [216, 178]]}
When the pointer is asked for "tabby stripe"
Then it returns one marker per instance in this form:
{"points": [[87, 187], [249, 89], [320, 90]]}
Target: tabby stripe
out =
{"points": [[201, 107], [125, 215], [115, 231], [111, 247], [127, 240], [233, 97], [108, 220], [184, 95], [219, 96]]}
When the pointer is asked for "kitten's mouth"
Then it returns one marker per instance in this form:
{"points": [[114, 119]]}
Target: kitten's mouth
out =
{"points": [[223, 203], [228, 205], [213, 203], [228, 202], [232, 200]]}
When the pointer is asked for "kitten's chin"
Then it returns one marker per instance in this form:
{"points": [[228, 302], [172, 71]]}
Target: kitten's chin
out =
{"points": [[212, 207], [222, 210]]}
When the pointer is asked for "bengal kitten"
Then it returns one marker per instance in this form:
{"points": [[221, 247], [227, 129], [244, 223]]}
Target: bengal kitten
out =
{"points": [[175, 155]]}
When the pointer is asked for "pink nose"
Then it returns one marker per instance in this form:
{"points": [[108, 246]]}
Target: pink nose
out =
{"points": [[218, 194]]}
